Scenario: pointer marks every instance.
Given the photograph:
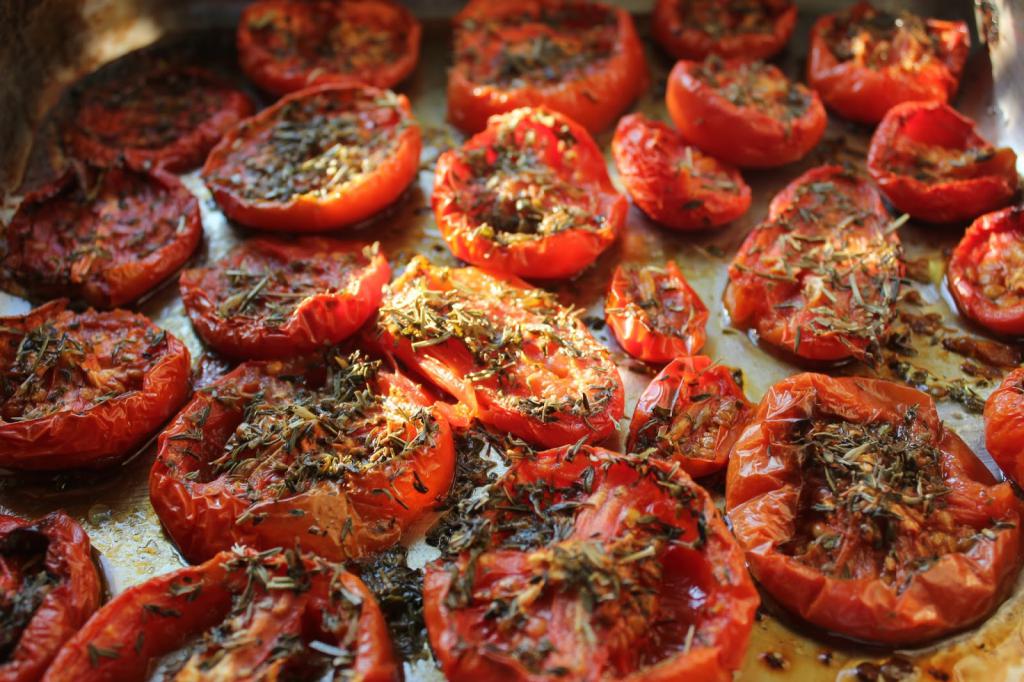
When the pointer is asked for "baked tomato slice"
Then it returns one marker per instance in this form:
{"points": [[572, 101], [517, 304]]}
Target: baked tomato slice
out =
{"points": [[153, 115], [49, 586], [929, 162], [271, 298], [581, 58], [1004, 425], [819, 278], [242, 615], [582, 564], [864, 61], [319, 159], [530, 196], [106, 237], [84, 389], [335, 454], [744, 113], [690, 414], [654, 313], [284, 45], [863, 515], [747, 29]]}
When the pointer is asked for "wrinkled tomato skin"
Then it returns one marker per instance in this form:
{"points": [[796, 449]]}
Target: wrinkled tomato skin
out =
{"points": [[1004, 425], [683, 42]]}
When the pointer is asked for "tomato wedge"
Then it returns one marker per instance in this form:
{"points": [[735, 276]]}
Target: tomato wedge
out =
{"points": [[744, 113], [284, 46], [863, 515], [929, 162], [673, 183], [49, 586], [516, 358], [690, 414], [654, 313], [106, 238], [583, 564], [1004, 425], [748, 29], [530, 196], [819, 278], [319, 159], [84, 389], [243, 615], [864, 61], [580, 58]]}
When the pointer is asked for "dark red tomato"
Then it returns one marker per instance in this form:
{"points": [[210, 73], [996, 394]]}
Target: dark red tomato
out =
{"points": [[851, 490], [242, 615], [160, 116], [106, 238], [336, 455], [284, 45], [929, 162], [511, 354], [690, 414], [747, 29], [1004, 425], [318, 159], [744, 113], [673, 183], [819, 278], [580, 58], [654, 313], [580, 564], [530, 196], [49, 586], [864, 61], [84, 389]]}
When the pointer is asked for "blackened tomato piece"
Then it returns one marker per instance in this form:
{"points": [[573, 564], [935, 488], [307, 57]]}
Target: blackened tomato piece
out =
{"points": [[745, 29], [1004, 425]]}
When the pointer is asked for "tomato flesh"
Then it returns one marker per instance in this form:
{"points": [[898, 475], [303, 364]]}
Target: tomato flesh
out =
{"points": [[747, 29]]}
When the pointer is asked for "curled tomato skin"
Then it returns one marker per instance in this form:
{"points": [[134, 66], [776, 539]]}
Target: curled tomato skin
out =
{"points": [[675, 184], [1004, 425], [84, 389], [273, 170], [747, 30], [284, 46], [929, 162], [568, 557], [242, 615], [530, 196], [580, 58], [863, 515]]}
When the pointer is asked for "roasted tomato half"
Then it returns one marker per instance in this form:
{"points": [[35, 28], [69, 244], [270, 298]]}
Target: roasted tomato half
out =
{"points": [[530, 195], [275, 299], [746, 29], [819, 278], [577, 57], [49, 586], [338, 455], [105, 238], [318, 159], [84, 389], [1004, 425], [511, 354], [852, 491], [598, 566], [929, 162], [864, 61], [155, 115], [284, 46], [690, 414], [745, 113], [654, 313], [673, 183], [242, 615]]}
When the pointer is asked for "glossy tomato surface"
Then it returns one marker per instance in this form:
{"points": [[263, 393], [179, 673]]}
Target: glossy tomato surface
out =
{"points": [[745, 29], [1004, 425]]}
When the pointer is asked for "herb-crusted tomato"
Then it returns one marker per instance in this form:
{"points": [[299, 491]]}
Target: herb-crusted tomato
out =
{"points": [[105, 238], [318, 159], [84, 389], [747, 29], [515, 357], [243, 615], [581, 564], [1004, 425], [851, 490], [745, 113], [577, 57], [530, 196], [284, 46]]}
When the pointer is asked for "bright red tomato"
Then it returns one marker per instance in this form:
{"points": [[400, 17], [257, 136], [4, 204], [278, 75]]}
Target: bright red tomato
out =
{"points": [[747, 29], [1004, 425]]}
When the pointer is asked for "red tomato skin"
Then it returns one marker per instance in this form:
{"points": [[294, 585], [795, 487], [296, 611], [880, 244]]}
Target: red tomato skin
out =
{"points": [[687, 43], [1004, 425]]}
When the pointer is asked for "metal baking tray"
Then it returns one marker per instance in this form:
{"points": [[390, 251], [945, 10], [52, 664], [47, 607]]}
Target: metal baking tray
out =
{"points": [[58, 43]]}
